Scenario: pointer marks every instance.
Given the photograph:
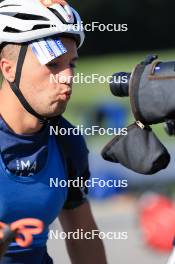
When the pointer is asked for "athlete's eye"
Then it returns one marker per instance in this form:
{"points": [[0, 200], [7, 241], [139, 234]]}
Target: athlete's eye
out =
{"points": [[52, 65]]}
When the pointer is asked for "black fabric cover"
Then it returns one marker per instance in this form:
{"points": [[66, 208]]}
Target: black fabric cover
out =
{"points": [[140, 150]]}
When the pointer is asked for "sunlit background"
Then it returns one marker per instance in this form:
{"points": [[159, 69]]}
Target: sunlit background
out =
{"points": [[145, 208], [141, 209]]}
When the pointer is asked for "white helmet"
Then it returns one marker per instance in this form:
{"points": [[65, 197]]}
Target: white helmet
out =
{"points": [[22, 21], [26, 20]]}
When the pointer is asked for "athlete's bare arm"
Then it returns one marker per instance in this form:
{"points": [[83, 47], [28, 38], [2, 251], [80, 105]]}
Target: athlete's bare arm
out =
{"points": [[87, 250]]}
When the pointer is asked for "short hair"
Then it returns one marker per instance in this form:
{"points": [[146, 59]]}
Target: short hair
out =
{"points": [[10, 51]]}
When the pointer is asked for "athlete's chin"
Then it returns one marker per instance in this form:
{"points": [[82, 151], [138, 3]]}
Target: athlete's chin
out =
{"points": [[57, 109]]}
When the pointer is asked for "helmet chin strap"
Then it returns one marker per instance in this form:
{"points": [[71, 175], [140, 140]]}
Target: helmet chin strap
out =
{"points": [[15, 88]]}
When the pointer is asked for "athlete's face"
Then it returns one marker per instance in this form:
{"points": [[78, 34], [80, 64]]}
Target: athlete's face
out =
{"points": [[47, 95]]}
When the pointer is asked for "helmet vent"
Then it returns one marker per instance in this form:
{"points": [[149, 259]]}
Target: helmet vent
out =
{"points": [[58, 15], [11, 30], [8, 5], [24, 16], [30, 17], [40, 27]]}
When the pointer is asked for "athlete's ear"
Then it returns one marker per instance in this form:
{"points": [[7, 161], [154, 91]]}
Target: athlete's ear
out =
{"points": [[8, 69]]}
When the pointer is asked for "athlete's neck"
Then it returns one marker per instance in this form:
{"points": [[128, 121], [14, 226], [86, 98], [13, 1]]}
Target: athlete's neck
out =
{"points": [[16, 117]]}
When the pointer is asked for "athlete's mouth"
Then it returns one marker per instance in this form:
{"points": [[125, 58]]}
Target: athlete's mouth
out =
{"points": [[67, 92], [64, 96]]}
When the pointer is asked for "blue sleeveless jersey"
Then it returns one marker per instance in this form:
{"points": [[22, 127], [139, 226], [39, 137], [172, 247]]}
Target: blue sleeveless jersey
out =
{"points": [[34, 196]]}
